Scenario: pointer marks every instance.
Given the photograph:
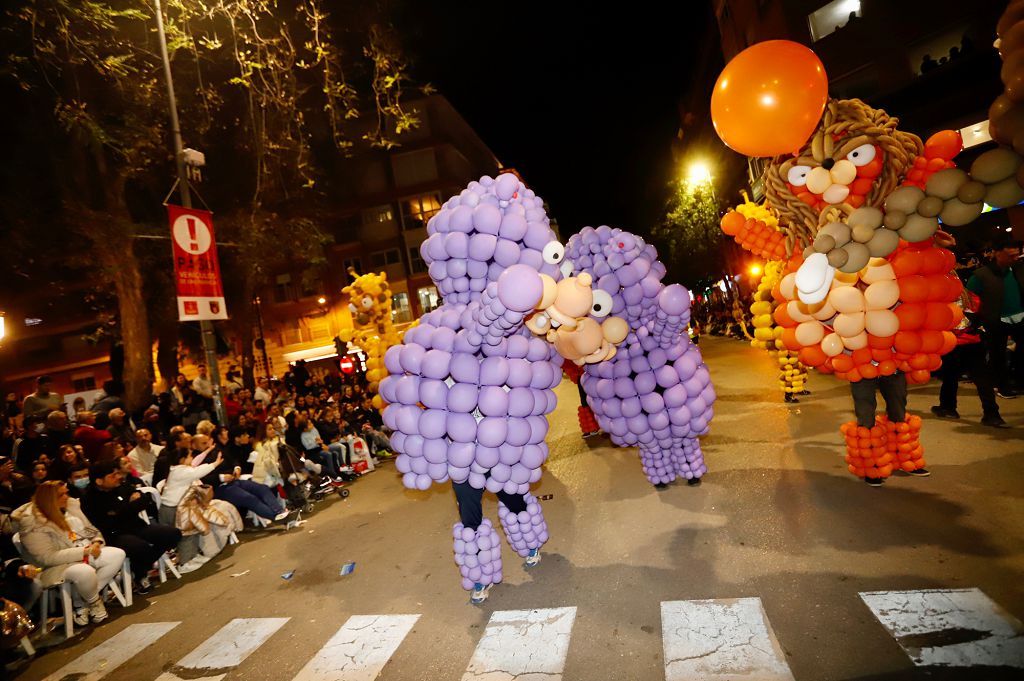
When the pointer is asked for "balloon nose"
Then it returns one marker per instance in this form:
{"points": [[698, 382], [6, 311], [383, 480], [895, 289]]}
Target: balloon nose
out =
{"points": [[828, 163]]}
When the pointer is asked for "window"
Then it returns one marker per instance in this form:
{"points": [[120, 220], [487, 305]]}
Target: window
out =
{"points": [[83, 383], [285, 290], [429, 300], [831, 17], [384, 258], [296, 334], [418, 209], [400, 310], [414, 167], [377, 215], [417, 260], [354, 263]]}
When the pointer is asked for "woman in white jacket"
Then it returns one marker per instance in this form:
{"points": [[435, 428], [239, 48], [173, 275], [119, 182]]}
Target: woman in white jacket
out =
{"points": [[266, 468], [180, 477], [56, 536]]}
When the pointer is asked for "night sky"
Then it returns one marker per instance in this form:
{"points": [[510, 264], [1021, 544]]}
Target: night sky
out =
{"points": [[584, 102]]}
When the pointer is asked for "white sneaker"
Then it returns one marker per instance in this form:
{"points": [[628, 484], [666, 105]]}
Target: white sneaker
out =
{"points": [[282, 515], [480, 593], [532, 560], [194, 564], [97, 610], [81, 616]]}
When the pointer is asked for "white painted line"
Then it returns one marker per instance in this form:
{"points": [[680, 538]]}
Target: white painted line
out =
{"points": [[949, 627], [225, 650], [112, 653], [360, 649], [720, 639], [526, 645]]}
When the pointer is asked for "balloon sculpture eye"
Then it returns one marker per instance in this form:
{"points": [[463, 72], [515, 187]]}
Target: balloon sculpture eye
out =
{"points": [[553, 253], [798, 175], [352, 308], [566, 269], [367, 302], [862, 155], [602, 306]]}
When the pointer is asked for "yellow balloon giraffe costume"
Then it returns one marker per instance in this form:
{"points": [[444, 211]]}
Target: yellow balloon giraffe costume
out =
{"points": [[370, 304]]}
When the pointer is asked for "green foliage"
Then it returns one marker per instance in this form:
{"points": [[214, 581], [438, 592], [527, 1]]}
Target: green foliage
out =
{"points": [[688, 235]]}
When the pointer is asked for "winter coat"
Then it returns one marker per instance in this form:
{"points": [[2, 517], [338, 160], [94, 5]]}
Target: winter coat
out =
{"points": [[47, 545], [267, 462]]}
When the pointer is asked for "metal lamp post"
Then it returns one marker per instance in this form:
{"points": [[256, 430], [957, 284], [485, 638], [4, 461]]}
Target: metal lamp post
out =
{"points": [[206, 326]]}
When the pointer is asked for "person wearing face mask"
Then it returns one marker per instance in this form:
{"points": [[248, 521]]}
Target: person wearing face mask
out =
{"points": [[78, 480], [56, 536]]}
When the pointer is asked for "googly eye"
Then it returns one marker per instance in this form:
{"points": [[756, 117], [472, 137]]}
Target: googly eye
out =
{"points": [[862, 155], [553, 253], [541, 320], [602, 306], [352, 308], [798, 175], [366, 302], [566, 269]]}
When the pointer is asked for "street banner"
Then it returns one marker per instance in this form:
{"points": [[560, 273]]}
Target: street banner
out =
{"points": [[196, 267]]}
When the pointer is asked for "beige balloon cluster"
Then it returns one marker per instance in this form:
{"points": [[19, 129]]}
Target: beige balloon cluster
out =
{"points": [[858, 303], [851, 244], [1006, 115]]}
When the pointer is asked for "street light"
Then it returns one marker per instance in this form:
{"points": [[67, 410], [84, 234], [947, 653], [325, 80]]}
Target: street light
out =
{"points": [[755, 270], [698, 173], [321, 300]]}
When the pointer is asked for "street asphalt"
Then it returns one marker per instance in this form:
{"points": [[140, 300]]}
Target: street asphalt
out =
{"points": [[777, 518]]}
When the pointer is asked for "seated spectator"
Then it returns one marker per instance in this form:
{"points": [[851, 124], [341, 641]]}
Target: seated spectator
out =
{"points": [[16, 488], [211, 521], [121, 427], [91, 438], [313, 446], [179, 478], [78, 480], [124, 465], [20, 582], [266, 468], [145, 453], [232, 406], [114, 508], [110, 399], [181, 441], [379, 443], [58, 432], [111, 452], [31, 444], [40, 473], [205, 427], [60, 468], [56, 536], [245, 495], [263, 393], [274, 416], [193, 407]]}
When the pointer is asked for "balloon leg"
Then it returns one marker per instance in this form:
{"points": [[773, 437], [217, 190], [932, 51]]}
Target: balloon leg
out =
{"points": [[478, 554], [526, 530], [688, 459], [657, 465]]}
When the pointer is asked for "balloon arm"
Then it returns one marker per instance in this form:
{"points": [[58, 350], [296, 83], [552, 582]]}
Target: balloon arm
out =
{"points": [[492, 321], [673, 315]]}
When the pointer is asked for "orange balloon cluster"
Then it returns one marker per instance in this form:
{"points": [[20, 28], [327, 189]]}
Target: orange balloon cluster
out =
{"points": [[924, 310], [939, 151], [755, 236], [876, 452]]}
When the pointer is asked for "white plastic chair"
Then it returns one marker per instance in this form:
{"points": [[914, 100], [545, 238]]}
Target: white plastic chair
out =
{"points": [[44, 599], [164, 563]]}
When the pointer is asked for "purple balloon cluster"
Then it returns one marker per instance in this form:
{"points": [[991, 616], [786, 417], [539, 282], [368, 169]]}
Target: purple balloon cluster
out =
{"points": [[478, 554], [469, 387], [526, 530], [492, 225], [656, 392]]}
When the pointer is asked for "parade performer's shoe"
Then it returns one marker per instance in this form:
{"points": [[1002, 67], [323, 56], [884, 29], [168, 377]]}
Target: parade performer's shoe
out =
{"points": [[874, 482], [693, 482], [532, 560], [804, 392], [944, 413], [994, 421], [920, 472], [661, 486], [791, 399], [480, 593]]}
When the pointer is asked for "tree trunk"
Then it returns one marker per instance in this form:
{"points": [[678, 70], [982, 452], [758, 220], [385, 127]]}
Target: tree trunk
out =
{"points": [[167, 354], [243, 319], [122, 266]]}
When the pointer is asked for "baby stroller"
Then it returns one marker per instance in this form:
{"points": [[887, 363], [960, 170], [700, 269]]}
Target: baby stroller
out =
{"points": [[302, 483]]}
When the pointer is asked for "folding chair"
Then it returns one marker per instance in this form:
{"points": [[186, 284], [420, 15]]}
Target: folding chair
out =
{"points": [[44, 599], [164, 563]]}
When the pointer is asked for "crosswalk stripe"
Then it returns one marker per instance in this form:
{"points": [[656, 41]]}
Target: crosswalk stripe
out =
{"points": [[112, 653], [225, 650], [519, 643], [359, 650], [720, 639], [949, 627]]}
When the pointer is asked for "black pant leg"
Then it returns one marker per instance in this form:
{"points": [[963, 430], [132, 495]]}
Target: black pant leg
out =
{"points": [[583, 394], [864, 401], [952, 367], [513, 502], [471, 511], [894, 392], [1016, 331], [162, 537], [141, 553], [995, 342], [981, 373]]}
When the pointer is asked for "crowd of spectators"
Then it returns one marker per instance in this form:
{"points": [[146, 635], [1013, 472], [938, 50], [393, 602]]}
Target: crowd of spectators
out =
{"points": [[80, 493]]}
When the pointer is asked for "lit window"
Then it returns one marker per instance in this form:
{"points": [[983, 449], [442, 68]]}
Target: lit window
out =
{"points": [[378, 215], [429, 300], [831, 17], [416, 260], [384, 258], [416, 211], [400, 310], [354, 263]]}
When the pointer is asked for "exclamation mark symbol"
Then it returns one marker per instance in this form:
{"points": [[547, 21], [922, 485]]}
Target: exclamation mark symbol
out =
{"points": [[194, 245]]}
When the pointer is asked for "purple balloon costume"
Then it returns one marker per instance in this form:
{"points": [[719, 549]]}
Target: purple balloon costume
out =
{"points": [[656, 392], [469, 389]]}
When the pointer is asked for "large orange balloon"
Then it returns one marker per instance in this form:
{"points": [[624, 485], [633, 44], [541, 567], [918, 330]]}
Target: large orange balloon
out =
{"points": [[769, 98]]}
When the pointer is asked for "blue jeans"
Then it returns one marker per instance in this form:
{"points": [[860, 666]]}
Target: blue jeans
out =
{"points": [[246, 495], [325, 458]]}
